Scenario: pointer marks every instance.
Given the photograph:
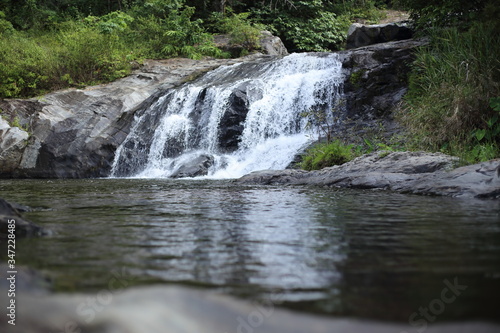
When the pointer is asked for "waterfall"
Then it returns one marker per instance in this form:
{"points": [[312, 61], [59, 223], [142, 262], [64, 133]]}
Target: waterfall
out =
{"points": [[231, 121]]}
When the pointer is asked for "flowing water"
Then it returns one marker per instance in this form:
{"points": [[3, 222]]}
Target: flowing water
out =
{"points": [[245, 117], [339, 252]]}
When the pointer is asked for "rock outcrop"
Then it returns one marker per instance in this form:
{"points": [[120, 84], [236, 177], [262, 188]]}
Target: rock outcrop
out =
{"points": [[377, 77], [406, 172], [360, 35], [74, 133], [23, 228]]}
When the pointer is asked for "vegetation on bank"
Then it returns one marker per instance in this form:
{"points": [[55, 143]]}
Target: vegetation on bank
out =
{"points": [[453, 101], [52, 44], [452, 104]]}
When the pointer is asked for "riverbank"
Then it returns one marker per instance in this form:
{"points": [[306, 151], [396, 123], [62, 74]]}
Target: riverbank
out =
{"points": [[405, 172]]}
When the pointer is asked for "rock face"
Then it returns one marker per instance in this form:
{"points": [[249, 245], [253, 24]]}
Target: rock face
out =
{"points": [[23, 228], [377, 77], [360, 35], [406, 172], [75, 133]]}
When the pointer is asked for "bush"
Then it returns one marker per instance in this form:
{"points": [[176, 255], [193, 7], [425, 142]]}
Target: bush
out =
{"points": [[323, 155], [451, 85], [241, 30], [32, 64]]}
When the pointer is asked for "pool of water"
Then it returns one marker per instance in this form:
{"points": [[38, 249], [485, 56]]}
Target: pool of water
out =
{"points": [[366, 254]]}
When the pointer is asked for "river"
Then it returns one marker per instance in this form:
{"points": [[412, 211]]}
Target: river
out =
{"points": [[355, 253]]}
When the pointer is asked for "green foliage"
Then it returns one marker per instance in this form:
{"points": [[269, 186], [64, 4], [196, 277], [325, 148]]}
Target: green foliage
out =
{"points": [[170, 31], [451, 90], [323, 155], [242, 31], [307, 26], [31, 65], [5, 26], [112, 23], [428, 13]]}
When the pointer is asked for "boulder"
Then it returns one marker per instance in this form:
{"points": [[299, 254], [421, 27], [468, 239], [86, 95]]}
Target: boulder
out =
{"points": [[406, 172], [231, 124], [268, 44], [272, 45], [360, 35], [194, 167], [23, 228]]}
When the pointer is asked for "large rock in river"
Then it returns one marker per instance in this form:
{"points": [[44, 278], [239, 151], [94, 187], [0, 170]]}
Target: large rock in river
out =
{"points": [[10, 214]]}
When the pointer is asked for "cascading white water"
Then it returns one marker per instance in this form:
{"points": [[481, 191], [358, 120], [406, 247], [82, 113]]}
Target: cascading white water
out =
{"points": [[188, 119]]}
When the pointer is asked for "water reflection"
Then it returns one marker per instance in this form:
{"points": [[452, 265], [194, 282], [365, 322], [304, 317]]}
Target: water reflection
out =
{"points": [[368, 254]]}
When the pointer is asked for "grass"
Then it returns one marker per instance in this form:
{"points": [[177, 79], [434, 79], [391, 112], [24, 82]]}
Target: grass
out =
{"points": [[452, 83], [323, 155]]}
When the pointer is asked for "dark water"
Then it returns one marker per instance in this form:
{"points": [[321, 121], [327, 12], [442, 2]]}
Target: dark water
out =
{"points": [[350, 253]]}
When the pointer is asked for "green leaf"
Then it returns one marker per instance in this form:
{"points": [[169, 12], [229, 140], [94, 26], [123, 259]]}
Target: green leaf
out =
{"points": [[479, 134], [495, 103]]}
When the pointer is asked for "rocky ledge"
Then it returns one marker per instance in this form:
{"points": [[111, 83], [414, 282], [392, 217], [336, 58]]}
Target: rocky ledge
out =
{"points": [[406, 172]]}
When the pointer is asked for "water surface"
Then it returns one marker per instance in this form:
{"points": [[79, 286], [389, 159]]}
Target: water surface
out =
{"points": [[365, 254]]}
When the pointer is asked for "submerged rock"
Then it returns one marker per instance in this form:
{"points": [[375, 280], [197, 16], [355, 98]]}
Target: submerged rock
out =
{"points": [[23, 228], [406, 172]]}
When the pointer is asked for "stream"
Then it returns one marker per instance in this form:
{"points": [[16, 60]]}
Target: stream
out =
{"points": [[349, 253]]}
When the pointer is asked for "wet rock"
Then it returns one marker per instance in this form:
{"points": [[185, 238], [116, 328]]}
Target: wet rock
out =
{"points": [[377, 78], [194, 167], [232, 122], [406, 172], [74, 133], [360, 35], [24, 228]]}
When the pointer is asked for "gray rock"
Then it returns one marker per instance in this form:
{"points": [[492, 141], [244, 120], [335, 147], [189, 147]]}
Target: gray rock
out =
{"points": [[194, 167], [272, 45], [406, 172], [268, 44], [23, 228], [181, 310], [12, 143], [74, 133], [360, 35], [377, 77]]}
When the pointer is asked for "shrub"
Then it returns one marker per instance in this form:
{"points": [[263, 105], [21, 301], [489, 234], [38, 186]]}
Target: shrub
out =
{"points": [[241, 30], [451, 85], [323, 155]]}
